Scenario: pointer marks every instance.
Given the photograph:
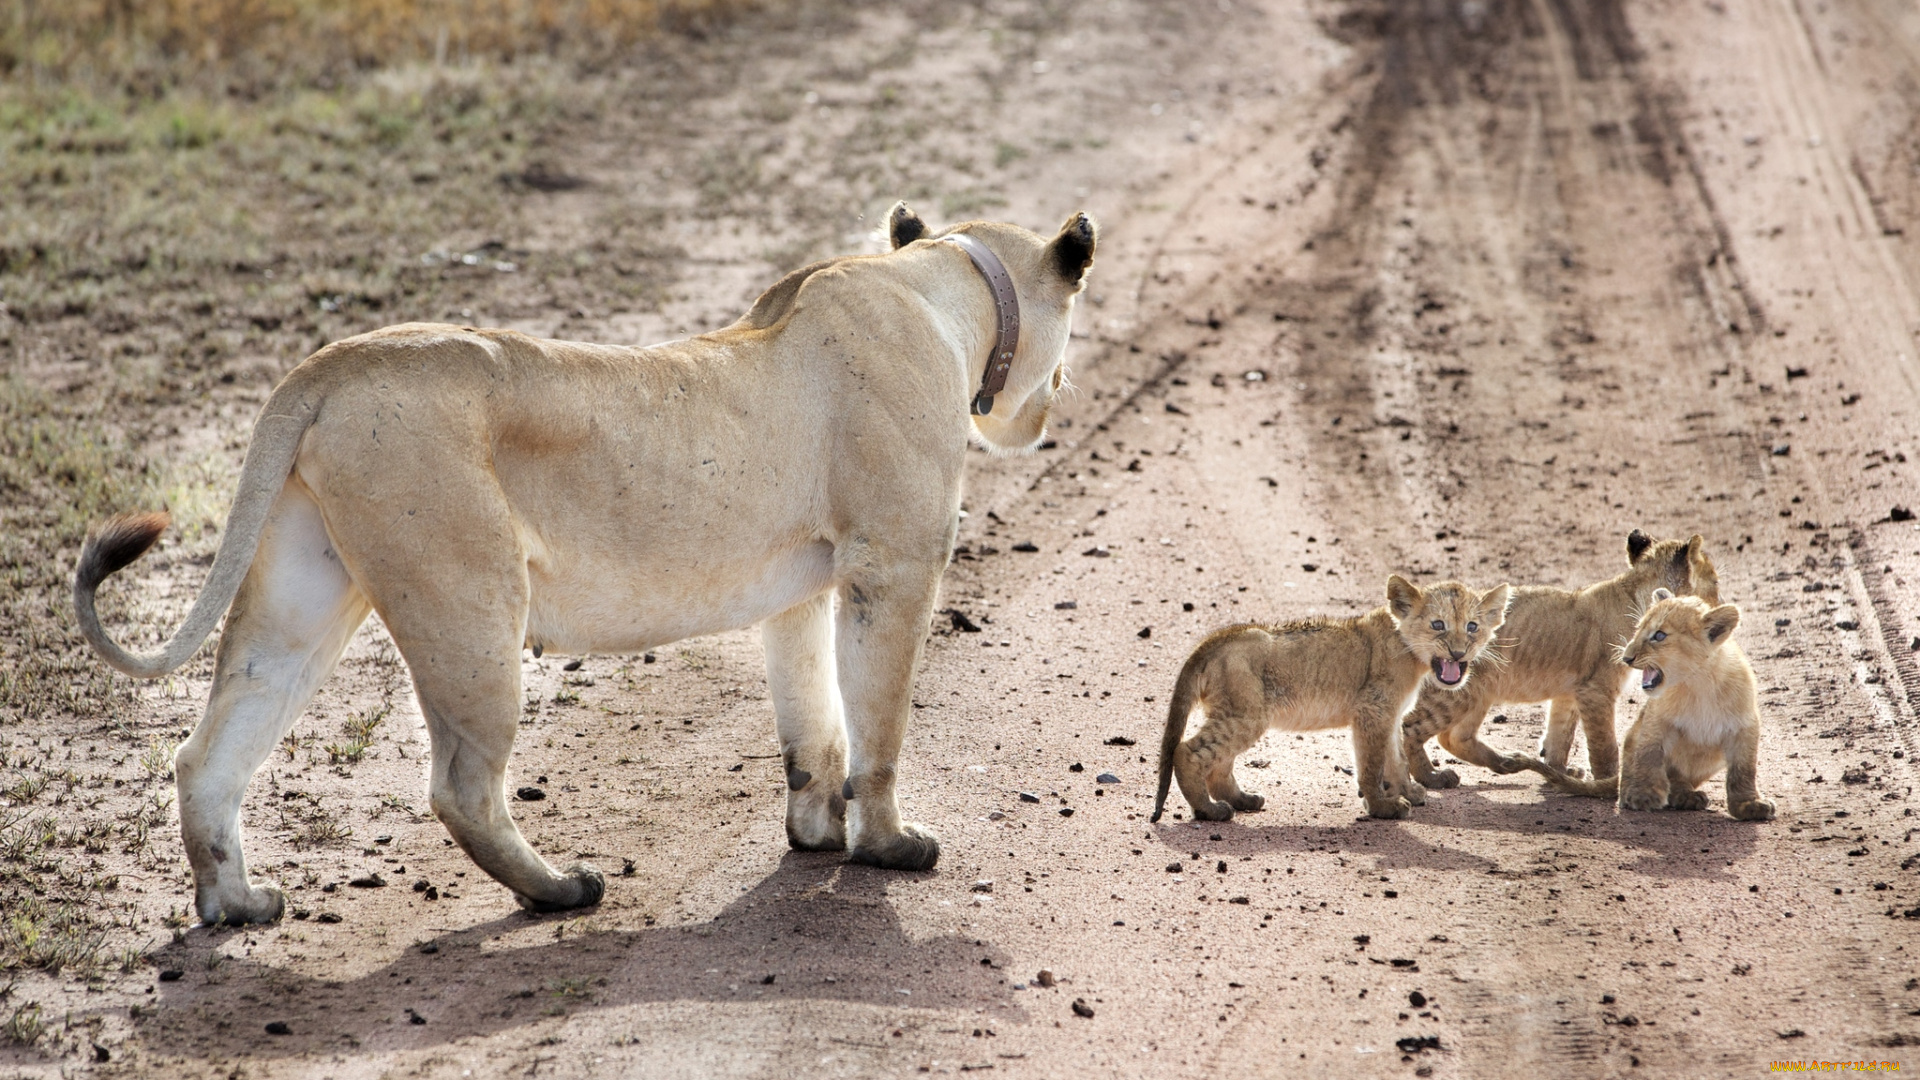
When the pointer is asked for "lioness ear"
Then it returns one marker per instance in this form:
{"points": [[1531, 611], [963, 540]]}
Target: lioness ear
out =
{"points": [[1661, 594], [1493, 606], [1701, 575], [903, 225], [1721, 621], [1401, 596], [1637, 545], [1072, 251]]}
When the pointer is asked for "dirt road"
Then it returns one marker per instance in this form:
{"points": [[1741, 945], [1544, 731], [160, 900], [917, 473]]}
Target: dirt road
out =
{"points": [[1448, 289]]}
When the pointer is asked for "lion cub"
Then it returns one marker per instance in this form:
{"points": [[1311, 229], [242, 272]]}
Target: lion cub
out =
{"points": [[1322, 673], [1562, 646], [1701, 715]]}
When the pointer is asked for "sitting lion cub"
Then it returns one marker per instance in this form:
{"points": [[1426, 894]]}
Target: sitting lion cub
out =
{"points": [[1322, 673], [1701, 715]]}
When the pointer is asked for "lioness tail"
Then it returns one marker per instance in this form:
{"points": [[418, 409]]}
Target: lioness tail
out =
{"points": [[118, 541]]}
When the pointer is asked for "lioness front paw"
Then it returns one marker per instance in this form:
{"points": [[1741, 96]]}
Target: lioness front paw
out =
{"points": [[1389, 808], [914, 847], [1441, 779], [263, 904], [583, 887], [1687, 800], [1757, 810]]}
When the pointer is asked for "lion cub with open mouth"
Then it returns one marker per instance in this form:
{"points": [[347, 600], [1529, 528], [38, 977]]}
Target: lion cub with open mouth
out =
{"points": [[1701, 715], [1321, 673]]}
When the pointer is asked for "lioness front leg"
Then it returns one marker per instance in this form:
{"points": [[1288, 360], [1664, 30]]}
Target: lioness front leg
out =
{"points": [[881, 626], [287, 627], [803, 681]]}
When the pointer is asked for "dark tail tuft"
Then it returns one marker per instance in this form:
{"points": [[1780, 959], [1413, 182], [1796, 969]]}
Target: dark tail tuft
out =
{"points": [[115, 543]]}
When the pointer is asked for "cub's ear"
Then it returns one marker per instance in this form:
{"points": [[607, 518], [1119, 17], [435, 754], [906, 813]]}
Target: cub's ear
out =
{"points": [[1493, 606], [1720, 622], [1402, 595], [1637, 545], [1701, 575], [903, 225], [1661, 594], [1072, 251]]}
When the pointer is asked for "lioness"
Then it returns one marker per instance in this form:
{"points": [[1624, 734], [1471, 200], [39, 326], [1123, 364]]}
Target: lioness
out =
{"points": [[1320, 673], [1701, 715], [1558, 645], [485, 491]]}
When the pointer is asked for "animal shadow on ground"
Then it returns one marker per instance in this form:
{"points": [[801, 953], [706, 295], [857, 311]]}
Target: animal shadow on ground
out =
{"points": [[816, 928], [1665, 844]]}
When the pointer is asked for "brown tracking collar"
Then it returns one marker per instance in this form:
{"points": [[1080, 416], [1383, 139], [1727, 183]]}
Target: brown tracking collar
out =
{"points": [[1006, 312]]}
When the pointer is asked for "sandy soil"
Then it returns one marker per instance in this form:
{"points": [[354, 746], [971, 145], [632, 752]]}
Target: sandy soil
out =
{"points": [[1445, 289]]}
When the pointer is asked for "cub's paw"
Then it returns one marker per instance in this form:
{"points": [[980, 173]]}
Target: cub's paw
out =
{"points": [[1441, 780], [1687, 800], [1415, 793], [914, 847], [1390, 808], [1247, 802], [1216, 811], [1757, 810], [1505, 764], [1642, 800], [263, 904], [582, 886]]}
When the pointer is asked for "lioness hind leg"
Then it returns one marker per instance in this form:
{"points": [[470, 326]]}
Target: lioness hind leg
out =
{"points": [[802, 680], [287, 627], [461, 634]]}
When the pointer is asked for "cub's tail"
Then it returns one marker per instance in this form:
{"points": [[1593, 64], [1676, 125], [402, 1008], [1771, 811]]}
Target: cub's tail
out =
{"points": [[1185, 694], [1608, 788]]}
